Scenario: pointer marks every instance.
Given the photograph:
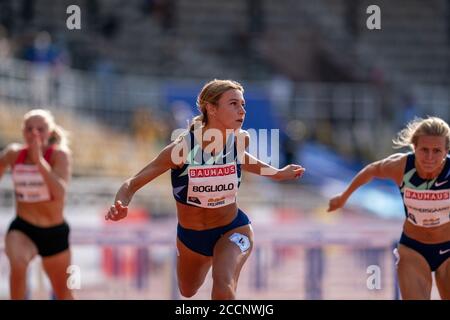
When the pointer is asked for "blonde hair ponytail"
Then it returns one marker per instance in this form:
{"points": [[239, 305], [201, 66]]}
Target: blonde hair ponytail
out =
{"points": [[197, 121], [431, 126], [59, 137]]}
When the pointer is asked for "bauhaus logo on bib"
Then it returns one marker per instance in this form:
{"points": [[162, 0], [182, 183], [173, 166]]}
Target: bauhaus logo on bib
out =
{"points": [[212, 172], [427, 195]]}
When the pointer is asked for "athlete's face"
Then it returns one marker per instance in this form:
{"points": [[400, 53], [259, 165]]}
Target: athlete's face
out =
{"points": [[430, 152], [230, 112], [36, 127]]}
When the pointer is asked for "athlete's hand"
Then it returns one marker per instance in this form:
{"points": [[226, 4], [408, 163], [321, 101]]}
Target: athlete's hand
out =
{"points": [[291, 171], [35, 149], [117, 211], [336, 202]]}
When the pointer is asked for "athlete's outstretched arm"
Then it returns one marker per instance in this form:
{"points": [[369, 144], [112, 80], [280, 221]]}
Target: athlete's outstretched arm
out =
{"points": [[163, 162], [252, 164], [391, 168], [256, 166]]}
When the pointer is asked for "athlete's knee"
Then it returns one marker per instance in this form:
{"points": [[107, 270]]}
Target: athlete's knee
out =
{"points": [[224, 287], [187, 290], [223, 291], [19, 264]]}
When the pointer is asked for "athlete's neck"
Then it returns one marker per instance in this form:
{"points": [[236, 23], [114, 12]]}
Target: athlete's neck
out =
{"points": [[429, 175], [212, 138]]}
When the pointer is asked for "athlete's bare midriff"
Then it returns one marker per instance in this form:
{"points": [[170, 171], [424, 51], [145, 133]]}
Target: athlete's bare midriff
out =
{"points": [[197, 218], [42, 214], [431, 235]]}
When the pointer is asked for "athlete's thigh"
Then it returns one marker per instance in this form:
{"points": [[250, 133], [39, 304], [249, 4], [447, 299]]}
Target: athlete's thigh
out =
{"points": [[192, 267], [19, 247], [442, 276], [231, 252], [56, 266], [414, 274]]}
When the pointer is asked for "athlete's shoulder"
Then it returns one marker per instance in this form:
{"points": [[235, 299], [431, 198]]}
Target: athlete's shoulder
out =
{"points": [[15, 147], [182, 137], [59, 153], [397, 157], [395, 161], [176, 152], [10, 152], [391, 167]]}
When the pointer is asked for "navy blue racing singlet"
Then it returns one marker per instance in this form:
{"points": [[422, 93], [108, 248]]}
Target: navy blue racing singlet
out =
{"points": [[426, 202], [205, 180]]}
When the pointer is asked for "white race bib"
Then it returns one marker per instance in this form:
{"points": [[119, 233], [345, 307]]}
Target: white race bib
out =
{"points": [[212, 186], [427, 208], [29, 184]]}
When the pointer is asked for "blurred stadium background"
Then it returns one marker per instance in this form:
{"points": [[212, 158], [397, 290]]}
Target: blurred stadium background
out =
{"points": [[337, 91]]}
